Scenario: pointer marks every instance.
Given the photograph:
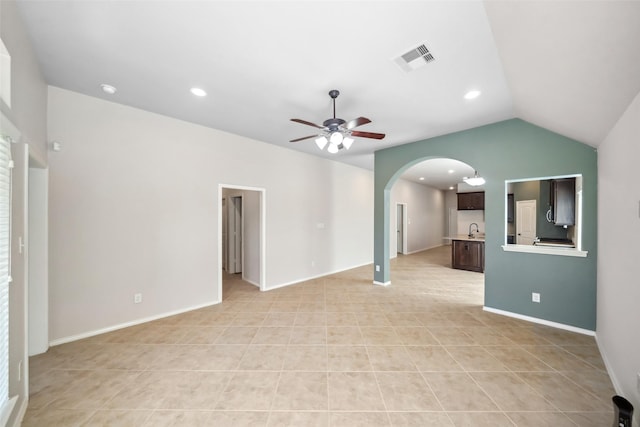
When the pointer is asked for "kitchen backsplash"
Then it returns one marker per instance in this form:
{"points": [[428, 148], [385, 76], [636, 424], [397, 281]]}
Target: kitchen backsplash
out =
{"points": [[465, 218]]}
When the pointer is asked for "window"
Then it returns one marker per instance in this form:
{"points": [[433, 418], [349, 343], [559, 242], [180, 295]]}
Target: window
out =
{"points": [[544, 215], [6, 405], [5, 75]]}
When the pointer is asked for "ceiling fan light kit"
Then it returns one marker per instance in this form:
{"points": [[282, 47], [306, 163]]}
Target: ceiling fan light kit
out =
{"points": [[337, 132], [321, 142]]}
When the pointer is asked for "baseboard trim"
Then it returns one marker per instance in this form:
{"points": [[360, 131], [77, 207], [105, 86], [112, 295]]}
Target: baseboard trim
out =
{"points": [[614, 379], [257, 285], [540, 321], [385, 284], [22, 410], [282, 285], [424, 249], [93, 333]]}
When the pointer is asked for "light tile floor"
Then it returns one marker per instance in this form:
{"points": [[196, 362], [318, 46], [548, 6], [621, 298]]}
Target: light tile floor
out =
{"points": [[335, 351]]}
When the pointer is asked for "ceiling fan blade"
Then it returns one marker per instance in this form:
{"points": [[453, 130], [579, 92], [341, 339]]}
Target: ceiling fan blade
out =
{"points": [[357, 122], [373, 135], [303, 138], [304, 122]]}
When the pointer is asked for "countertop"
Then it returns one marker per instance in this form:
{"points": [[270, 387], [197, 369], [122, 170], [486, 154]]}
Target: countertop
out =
{"points": [[477, 238]]}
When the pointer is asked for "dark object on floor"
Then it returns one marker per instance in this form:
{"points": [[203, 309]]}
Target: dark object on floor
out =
{"points": [[623, 412]]}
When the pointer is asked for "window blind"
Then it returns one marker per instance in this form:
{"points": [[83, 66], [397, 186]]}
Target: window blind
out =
{"points": [[5, 250]]}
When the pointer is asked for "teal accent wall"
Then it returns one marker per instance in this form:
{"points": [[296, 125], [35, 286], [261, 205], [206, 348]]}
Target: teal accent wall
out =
{"points": [[512, 149]]}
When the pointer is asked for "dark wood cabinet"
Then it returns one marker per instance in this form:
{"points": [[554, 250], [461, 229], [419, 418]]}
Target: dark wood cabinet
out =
{"points": [[467, 255], [563, 201], [471, 201], [510, 208]]}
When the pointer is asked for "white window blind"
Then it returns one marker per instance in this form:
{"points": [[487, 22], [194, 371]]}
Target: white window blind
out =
{"points": [[5, 248]]}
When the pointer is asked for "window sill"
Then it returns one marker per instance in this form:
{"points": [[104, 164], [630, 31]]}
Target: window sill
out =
{"points": [[532, 249]]}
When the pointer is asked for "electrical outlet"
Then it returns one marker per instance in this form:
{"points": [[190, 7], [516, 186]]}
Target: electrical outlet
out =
{"points": [[377, 268], [535, 297], [137, 298]]}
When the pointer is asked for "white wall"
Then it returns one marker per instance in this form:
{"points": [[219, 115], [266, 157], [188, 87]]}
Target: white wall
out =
{"points": [[28, 88], [425, 216], [133, 208], [618, 253]]}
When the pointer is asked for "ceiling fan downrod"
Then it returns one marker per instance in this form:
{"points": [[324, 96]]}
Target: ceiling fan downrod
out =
{"points": [[334, 94]]}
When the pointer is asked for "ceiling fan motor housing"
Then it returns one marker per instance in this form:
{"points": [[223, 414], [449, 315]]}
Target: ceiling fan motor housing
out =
{"points": [[333, 124]]}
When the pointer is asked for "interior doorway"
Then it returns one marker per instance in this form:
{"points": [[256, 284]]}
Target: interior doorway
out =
{"points": [[38, 287], [241, 235], [525, 222], [401, 228], [234, 238]]}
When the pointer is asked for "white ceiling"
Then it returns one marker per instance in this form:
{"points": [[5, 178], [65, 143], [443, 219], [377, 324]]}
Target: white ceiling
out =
{"points": [[572, 67]]}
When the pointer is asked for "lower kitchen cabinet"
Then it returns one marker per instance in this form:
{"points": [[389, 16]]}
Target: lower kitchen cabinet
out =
{"points": [[467, 255]]}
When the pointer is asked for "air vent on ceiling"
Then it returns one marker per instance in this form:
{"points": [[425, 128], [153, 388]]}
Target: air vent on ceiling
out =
{"points": [[415, 58]]}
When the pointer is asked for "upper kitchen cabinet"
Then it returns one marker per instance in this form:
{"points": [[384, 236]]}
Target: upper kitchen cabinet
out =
{"points": [[563, 201], [471, 201]]}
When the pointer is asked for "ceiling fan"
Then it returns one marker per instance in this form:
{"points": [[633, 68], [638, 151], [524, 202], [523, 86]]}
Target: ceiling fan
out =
{"points": [[336, 132]]}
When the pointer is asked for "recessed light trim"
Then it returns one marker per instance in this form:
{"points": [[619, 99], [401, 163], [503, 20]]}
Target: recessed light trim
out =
{"points": [[108, 89], [451, 171], [472, 94], [421, 178], [198, 92]]}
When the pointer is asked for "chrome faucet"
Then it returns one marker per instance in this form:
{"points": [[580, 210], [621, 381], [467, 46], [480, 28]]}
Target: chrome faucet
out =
{"points": [[477, 229]]}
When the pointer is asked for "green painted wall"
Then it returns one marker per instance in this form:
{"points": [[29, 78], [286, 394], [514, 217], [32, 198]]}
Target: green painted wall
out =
{"points": [[512, 149]]}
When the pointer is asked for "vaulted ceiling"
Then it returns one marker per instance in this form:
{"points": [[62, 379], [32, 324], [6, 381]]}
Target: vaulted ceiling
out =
{"points": [[569, 66]]}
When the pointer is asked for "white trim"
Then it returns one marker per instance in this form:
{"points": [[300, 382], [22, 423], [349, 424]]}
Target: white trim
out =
{"points": [[385, 284], [17, 422], [317, 276], [251, 282], [545, 250], [543, 178], [88, 334], [6, 409], [540, 321], [426, 249]]}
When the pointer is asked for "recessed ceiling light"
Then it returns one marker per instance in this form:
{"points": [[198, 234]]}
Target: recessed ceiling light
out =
{"points": [[472, 94], [421, 178], [451, 171], [198, 92], [450, 188], [108, 89]]}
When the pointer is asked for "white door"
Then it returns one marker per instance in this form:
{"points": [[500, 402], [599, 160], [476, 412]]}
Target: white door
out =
{"points": [[525, 222], [18, 289], [399, 228], [234, 234], [225, 233]]}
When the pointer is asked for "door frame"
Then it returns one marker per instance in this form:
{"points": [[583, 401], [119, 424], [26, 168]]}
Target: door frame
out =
{"points": [[404, 219], [38, 256], [263, 203], [231, 254]]}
